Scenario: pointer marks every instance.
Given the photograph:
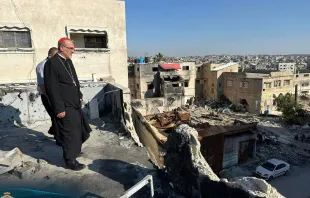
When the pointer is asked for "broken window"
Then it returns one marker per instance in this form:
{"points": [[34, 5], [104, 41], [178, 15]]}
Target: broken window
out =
{"points": [[82, 40], [186, 83], [286, 82], [198, 69], [305, 84], [197, 81], [185, 68], [137, 68], [306, 75], [229, 83], [244, 84], [150, 86], [267, 85], [277, 83], [15, 39], [137, 86], [175, 85], [220, 84], [155, 69], [212, 90]]}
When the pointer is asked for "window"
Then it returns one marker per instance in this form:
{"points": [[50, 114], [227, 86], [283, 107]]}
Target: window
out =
{"points": [[277, 83], [150, 86], [306, 75], [198, 69], [220, 84], [197, 81], [185, 68], [212, 84], [97, 41], [212, 90], [175, 85], [137, 68], [286, 82], [155, 69], [137, 86], [15, 39], [229, 83], [186, 83], [244, 84], [280, 166]]}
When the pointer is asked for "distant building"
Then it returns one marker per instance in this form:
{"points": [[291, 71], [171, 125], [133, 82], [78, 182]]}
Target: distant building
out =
{"points": [[303, 82], [210, 80], [308, 62], [151, 80], [257, 91], [287, 67]]}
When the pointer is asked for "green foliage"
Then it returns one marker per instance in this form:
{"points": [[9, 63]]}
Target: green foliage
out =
{"points": [[159, 57], [289, 108]]}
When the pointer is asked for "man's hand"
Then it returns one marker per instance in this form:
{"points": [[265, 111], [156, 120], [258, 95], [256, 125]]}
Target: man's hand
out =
{"points": [[61, 115]]}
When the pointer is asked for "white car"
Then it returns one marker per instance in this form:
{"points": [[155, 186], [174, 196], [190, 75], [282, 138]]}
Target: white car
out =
{"points": [[272, 168]]}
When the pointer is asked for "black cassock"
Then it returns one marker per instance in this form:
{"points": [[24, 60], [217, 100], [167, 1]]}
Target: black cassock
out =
{"points": [[63, 91]]}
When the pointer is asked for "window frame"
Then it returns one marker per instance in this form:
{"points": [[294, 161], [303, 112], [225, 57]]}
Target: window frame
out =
{"points": [[17, 28]]}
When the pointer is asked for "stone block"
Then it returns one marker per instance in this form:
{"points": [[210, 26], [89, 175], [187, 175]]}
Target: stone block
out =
{"points": [[26, 170]]}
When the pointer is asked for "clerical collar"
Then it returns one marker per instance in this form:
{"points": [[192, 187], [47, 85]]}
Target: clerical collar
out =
{"points": [[61, 56]]}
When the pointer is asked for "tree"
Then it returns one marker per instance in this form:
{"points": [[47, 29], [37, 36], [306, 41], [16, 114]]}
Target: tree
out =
{"points": [[289, 107], [159, 57]]}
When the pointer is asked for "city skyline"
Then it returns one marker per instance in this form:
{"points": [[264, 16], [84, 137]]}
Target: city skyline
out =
{"points": [[182, 28]]}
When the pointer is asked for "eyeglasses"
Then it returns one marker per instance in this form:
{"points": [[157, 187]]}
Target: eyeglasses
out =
{"points": [[71, 48]]}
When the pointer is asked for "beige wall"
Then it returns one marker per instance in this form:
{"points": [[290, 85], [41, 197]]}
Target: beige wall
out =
{"points": [[189, 75], [258, 96], [48, 21], [212, 80]]}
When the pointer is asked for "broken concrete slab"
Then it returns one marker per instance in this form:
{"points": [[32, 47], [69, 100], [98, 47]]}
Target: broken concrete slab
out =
{"points": [[10, 160], [190, 173], [26, 170]]}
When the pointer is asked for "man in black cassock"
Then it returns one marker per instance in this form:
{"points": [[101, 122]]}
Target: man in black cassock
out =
{"points": [[63, 91]]}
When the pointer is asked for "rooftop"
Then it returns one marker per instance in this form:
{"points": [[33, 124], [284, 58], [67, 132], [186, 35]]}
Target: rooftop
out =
{"points": [[108, 155], [223, 66]]}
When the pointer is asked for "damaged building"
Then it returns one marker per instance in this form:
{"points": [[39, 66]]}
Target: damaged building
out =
{"points": [[97, 29], [209, 81], [192, 153], [153, 80], [221, 146], [255, 91]]}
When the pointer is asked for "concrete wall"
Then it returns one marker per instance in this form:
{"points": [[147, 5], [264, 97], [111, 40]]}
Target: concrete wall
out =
{"points": [[269, 94], [231, 148], [213, 80], [258, 95], [150, 106], [47, 27], [22, 105], [190, 76], [235, 93], [303, 82]]}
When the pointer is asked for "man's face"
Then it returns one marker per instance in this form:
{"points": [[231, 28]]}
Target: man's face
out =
{"points": [[68, 49]]}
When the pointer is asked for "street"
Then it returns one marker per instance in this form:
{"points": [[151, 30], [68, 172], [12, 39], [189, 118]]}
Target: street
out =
{"points": [[295, 184]]}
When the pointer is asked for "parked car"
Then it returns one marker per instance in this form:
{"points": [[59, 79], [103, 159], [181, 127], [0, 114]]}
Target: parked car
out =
{"points": [[272, 168]]}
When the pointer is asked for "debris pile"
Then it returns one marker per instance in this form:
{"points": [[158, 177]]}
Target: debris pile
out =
{"points": [[190, 173]]}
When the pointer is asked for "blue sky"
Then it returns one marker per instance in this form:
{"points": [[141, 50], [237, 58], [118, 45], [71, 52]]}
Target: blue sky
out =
{"points": [[203, 27]]}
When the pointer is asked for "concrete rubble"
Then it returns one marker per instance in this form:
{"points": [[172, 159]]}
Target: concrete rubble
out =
{"points": [[10, 160], [190, 173]]}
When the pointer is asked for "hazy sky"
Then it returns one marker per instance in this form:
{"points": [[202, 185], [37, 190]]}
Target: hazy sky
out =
{"points": [[201, 27]]}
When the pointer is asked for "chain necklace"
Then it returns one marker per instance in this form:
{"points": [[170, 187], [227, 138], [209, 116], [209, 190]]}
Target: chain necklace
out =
{"points": [[70, 74]]}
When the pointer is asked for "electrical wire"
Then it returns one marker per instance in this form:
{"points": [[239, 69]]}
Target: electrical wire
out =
{"points": [[32, 42]]}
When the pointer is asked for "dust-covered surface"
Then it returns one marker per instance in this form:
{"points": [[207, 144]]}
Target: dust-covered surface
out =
{"points": [[114, 163]]}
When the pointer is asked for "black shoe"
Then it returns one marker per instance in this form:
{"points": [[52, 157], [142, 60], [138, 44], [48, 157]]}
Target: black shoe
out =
{"points": [[75, 165]]}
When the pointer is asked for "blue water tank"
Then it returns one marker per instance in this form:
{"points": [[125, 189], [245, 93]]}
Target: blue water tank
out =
{"points": [[141, 60]]}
